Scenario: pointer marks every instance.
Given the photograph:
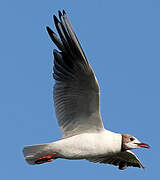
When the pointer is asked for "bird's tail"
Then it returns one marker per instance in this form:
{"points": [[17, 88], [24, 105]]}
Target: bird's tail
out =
{"points": [[38, 154]]}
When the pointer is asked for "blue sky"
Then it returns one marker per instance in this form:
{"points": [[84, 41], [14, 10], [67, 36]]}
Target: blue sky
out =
{"points": [[121, 40]]}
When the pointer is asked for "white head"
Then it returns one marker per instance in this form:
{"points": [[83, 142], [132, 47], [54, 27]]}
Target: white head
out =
{"points": [[130, 142]]}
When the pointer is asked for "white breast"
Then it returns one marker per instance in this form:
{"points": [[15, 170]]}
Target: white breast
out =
{"points": [[88, 145]]}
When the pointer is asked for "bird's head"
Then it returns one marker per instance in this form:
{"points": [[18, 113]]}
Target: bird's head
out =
{"points": [[130, 142]]}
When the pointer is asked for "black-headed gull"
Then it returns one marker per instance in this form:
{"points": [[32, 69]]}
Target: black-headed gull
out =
{"points": [[76, 100]]}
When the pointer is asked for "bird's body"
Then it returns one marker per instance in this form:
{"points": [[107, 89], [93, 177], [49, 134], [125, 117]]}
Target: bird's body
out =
{"points": [[76, 101], [88, 145]]}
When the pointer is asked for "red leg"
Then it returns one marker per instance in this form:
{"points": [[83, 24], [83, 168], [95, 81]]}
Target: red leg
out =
{"points": [[45, 159]]}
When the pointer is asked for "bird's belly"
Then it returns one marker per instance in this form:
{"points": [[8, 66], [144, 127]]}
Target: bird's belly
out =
{"points": [[84, 146]]}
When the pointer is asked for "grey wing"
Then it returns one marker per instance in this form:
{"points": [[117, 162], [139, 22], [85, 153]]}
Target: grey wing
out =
{"points": [[76, 91], [122, 159]]}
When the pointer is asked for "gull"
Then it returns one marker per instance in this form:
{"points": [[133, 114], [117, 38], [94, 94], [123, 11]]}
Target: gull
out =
{"points": [[76, 100]]}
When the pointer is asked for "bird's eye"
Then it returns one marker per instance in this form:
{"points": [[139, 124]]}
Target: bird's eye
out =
{"points": [[131, 139]]}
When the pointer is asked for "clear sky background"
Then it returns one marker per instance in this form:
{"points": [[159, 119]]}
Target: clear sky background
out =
{"points": [[121, 39]]}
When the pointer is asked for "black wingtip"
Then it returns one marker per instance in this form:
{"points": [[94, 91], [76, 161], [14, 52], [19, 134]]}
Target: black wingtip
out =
{"points": [[55, 19], [60, 14], [64, 13], [49, 30]]}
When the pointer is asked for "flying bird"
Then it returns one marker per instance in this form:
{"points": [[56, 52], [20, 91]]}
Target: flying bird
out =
{"points": [[76, 100]]}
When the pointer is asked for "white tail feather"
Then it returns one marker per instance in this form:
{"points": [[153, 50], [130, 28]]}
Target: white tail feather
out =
{"points": [[32, 153]]}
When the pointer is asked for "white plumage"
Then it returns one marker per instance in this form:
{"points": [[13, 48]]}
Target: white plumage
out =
{"points": [[76, 100]]}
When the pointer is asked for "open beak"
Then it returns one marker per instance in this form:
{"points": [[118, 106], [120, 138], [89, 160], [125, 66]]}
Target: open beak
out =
{"points": [[143, 145]]}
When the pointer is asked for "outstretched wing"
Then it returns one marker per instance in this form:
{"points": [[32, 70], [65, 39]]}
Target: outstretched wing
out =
{"points": [[122, 159], [76, 91]]}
